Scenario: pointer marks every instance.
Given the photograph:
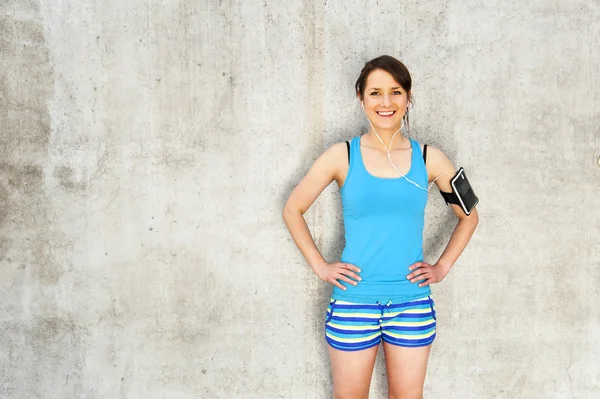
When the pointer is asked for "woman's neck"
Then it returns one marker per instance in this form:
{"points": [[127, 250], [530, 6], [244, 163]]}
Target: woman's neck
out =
{"points": [[386, 135]]}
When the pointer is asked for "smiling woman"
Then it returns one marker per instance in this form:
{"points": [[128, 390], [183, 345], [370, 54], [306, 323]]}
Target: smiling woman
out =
{"points": [[395, 76], [381, 286]]}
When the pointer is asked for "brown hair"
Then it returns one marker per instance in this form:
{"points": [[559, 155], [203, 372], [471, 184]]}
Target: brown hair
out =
{"points": [[392, 66]]}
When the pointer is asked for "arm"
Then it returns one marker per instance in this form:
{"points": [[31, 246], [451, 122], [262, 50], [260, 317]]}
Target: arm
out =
{"points": [[438, 163], [329, 166]]}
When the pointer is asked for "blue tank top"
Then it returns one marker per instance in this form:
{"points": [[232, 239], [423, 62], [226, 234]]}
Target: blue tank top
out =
{"points": [[383, 223]]}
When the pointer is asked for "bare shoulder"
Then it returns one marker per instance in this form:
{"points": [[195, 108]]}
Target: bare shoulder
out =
{"points": [[333, 158], [327, 167], [439, 165], [337, 150], [329, 164], [436, 156]]}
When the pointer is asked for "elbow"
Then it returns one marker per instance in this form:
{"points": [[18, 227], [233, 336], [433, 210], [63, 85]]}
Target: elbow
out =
{"points": [[288, 212], [285, 213], [474, 218], [470, 220]]}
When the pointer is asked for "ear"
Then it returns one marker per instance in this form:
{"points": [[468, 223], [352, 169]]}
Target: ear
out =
{"points": [[359, 98], [409, 95]]}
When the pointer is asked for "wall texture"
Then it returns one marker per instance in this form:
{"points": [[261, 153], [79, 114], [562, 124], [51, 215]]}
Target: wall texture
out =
{"points": [[147, 148]]}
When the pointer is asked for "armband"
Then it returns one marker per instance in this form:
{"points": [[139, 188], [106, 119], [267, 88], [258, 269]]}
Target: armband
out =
{"points": [[462, 194]]}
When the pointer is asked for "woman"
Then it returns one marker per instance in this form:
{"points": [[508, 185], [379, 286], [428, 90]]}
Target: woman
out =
{"points": [[381, 287]]}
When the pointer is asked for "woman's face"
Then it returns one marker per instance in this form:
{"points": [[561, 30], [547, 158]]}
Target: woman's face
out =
{"points": [[385, 101]]}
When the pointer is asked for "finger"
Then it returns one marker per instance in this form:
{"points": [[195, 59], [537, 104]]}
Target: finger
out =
{"points": [[351, 267], [337, 284], [350, 274], [346, 279], [427, 282], [422, 277], [415, 265], [417, 273]]}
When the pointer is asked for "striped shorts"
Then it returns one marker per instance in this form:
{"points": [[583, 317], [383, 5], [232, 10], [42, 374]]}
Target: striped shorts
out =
{"points": [[355, 326]]}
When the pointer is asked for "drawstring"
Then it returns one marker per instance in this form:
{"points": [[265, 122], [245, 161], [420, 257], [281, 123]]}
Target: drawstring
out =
{"points": [[331, 306], [385, 307]]}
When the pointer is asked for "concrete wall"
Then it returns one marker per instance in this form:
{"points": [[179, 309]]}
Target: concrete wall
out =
{"points": [[147, 149]]}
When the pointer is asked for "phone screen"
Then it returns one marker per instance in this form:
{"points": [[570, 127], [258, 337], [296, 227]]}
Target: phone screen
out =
{"points": [[466, 195]]}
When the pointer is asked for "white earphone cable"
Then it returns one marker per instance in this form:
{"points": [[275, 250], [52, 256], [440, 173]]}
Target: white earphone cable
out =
{"points": [[387, 150]]}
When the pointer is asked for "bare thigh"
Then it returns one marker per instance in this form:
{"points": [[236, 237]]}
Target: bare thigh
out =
{"points": [[352, 372], [406, 369]]}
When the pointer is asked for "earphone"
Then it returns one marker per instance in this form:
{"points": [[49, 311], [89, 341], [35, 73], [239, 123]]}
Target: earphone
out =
{"points": [[387, 150]]}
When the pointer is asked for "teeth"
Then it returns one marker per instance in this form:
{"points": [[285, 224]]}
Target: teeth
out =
{"points": [[388, 113]]}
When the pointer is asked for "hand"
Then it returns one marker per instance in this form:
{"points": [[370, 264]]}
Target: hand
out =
{"points": [[332, 272], [426, 273]]}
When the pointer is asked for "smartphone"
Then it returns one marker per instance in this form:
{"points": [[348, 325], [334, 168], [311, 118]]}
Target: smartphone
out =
{"points": [[466, 197]]}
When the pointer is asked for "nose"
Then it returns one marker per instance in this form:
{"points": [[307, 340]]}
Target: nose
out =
{"points": [[386, 100]]}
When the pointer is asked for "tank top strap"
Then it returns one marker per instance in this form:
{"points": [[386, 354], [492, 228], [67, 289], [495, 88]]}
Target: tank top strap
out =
{"points": [[416, 149], [354, 148], [418, 163], [355, 155], [354, 160]]}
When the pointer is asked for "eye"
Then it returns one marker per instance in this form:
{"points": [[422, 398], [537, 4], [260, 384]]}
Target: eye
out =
{"points": [[375, 93], [397, 92]]}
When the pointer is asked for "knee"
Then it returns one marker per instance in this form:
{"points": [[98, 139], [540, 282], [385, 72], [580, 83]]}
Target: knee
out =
{"points": [[406, 393]]}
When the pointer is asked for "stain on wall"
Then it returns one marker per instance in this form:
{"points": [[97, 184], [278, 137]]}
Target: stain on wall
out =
{"points": [[40, 342]]}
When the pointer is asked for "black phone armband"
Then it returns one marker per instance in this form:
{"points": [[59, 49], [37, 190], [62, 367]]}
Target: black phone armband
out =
{"points": [[462, 193]]}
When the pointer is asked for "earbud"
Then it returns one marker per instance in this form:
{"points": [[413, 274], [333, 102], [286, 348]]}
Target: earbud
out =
{"points": [[362, 104]]}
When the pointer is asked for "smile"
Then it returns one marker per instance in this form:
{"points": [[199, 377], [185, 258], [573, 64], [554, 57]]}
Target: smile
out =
{"points": [[386, 114]]}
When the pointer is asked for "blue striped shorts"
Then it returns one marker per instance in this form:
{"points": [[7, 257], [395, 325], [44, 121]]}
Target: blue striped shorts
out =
{"points": [[356, 326]]}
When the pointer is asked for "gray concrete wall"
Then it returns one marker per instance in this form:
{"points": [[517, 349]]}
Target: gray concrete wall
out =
{"points": [[147, 149]]}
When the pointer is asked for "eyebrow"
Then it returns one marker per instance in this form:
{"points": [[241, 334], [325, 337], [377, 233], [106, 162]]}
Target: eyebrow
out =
{"points": [[393, 88]]}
